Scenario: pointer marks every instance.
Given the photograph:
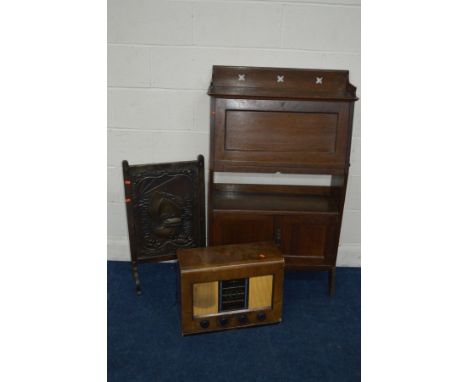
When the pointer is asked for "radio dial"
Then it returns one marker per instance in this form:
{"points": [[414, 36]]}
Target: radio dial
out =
{"points": [[242, 319], [223, 321], [261, 316], [204, 324]]}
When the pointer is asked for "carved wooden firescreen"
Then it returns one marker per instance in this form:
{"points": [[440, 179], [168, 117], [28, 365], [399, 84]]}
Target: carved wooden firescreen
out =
{"points": [[165, 210]]}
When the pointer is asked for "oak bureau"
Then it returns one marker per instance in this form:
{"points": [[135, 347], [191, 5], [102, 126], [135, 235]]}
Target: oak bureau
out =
{"points": [[292, 121]]}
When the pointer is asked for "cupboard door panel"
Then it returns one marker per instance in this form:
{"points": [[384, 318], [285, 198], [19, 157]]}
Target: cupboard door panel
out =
{"points": [[241, 228], [314, 237]]}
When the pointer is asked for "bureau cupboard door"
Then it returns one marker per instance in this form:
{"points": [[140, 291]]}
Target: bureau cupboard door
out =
{"points": [[241, 228], [309, 239]]}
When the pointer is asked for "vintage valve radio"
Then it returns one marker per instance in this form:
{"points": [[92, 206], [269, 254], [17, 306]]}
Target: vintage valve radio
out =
{"points": [[230, 286]]}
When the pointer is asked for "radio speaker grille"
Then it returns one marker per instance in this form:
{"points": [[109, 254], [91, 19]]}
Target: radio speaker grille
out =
{"points": [[205, 298], [228, 295], [260, 291]]}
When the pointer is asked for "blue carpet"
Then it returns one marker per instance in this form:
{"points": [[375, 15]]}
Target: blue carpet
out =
{"points": [[318, 340]]}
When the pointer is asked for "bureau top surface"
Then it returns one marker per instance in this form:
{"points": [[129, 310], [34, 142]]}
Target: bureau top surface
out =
{"points": [[281, 83], [228, 255]]}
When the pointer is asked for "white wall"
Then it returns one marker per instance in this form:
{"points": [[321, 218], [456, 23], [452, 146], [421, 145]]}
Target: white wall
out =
{"points": [[160, 55]]}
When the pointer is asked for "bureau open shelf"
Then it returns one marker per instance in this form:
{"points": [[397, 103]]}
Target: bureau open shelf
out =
{"points": [[267, 201]]}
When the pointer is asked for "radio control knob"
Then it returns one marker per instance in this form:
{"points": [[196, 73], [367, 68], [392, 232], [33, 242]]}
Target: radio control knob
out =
{"points": [[223, 321], [261, 316], [204, 324], [242, 318]]}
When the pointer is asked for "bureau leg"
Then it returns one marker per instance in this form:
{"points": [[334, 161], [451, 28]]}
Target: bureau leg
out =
{"points": [[136, 277], [331, 281]]}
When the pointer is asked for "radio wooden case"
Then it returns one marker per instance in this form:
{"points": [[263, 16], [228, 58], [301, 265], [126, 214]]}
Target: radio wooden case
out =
{"points": [[230, 286]]}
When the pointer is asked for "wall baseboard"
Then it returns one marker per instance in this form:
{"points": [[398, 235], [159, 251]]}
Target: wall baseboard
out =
{"points": [[118, 248], [349, 255]]}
